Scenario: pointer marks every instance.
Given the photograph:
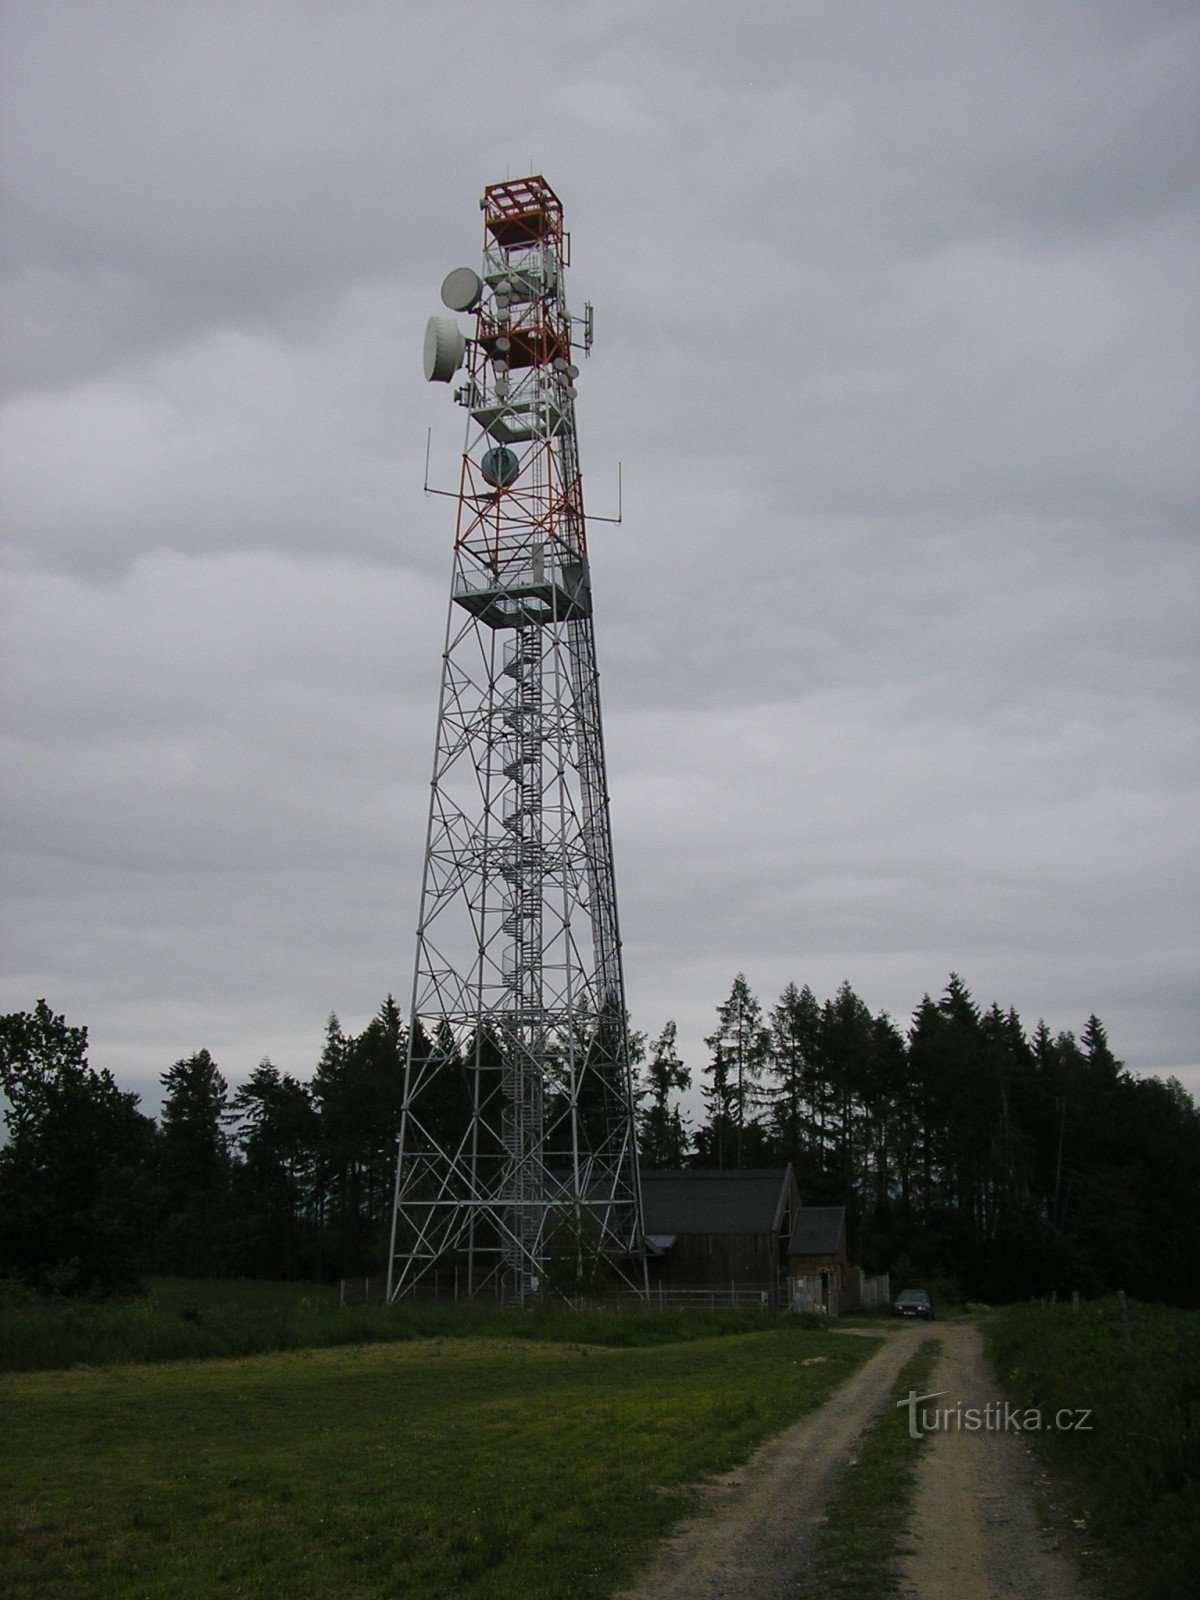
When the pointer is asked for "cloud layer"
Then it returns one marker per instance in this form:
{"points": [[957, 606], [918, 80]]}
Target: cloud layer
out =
{"points": [[897, 339]]}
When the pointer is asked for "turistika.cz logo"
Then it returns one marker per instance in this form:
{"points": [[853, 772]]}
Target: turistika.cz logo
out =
{"points": [[997, 1416]]}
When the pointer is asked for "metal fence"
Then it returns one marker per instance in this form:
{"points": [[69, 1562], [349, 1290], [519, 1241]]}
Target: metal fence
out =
{"points": [[706, 1297], [801, 1295], [361, 1292], [372, 1291]]}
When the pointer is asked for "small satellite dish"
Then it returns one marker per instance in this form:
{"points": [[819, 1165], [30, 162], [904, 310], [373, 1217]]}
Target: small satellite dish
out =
{"points": [[444, 349], [500, 467], [462, 289]]}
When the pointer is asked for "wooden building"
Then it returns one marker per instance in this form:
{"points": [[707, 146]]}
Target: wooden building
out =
{"points": [[820, 1275], [719, 1228]]}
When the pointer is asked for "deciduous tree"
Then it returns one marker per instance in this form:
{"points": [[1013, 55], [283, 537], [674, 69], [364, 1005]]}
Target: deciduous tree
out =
{"points": [[73, 1195]]}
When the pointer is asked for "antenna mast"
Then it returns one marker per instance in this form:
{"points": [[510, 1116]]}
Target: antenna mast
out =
{"points": [[517, 1166]]}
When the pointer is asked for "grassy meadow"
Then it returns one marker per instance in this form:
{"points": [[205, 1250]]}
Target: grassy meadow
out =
{"points": [[478, 1465], [1133, 1477], [184, 1319]]}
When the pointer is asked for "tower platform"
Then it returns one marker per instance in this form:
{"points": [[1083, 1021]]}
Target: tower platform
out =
{"points": [[524, 598]]}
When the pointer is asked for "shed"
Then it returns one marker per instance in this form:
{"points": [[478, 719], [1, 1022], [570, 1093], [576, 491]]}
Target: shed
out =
{"points": [[719, 1227], [821, 1277]]}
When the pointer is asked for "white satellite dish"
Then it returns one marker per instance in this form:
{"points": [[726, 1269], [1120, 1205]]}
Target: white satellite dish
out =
{"points": [[445, 346], [462, 289]]}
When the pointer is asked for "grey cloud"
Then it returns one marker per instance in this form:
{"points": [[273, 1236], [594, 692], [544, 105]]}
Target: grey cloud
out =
{"points": [[896, 341]]}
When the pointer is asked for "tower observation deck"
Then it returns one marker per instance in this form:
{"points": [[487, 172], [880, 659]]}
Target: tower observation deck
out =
{"points": [[517, 1166]]}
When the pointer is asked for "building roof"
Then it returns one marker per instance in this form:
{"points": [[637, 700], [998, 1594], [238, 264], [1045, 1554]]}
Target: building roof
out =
{"points": [[818, 1231], [749, 1200]]}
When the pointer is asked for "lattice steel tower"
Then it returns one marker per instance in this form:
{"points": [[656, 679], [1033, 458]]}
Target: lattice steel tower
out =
{"points": [[517, 1168]]}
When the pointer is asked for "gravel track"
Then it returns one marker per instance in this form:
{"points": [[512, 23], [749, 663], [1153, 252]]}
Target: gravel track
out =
{"points": [[975, 1534], [749, 1540]]}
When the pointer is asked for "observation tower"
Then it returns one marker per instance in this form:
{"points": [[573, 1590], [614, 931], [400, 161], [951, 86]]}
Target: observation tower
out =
{"points": [[517, 1167]]}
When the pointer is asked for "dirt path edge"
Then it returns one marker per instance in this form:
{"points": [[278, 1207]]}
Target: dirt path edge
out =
{"points": [[752, 1535]]}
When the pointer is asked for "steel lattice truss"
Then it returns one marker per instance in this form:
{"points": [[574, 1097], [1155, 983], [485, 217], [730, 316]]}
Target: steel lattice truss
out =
{"points": [[517, 1166]]}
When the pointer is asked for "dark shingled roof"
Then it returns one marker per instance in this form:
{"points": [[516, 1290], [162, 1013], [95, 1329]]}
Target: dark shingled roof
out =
{"points": [[818, 1231], [745, 1201]]}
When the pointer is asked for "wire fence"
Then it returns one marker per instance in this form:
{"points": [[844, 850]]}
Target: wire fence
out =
{"points": [[794, 1294], [705, 1297], [372, 1291]]}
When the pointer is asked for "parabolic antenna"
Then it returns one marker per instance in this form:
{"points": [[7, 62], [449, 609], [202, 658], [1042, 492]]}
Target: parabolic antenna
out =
{"points": [[500, 467], [444, 349], [462, 289]]}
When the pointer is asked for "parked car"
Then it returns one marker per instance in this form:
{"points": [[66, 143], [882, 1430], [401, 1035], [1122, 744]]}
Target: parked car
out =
{"points": [[913, 1303]]}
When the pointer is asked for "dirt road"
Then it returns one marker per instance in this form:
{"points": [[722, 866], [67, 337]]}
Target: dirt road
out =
{"points": [[748, 1542], [975, 1533]]}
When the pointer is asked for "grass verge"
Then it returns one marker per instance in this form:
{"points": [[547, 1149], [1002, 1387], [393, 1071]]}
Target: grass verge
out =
{"points": [[193, 1320], [855, 1549], [1133, 1476], [464, 1468]]}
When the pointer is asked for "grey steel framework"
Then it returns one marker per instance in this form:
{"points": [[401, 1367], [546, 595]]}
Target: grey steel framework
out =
{"points": [[517, 1168]]}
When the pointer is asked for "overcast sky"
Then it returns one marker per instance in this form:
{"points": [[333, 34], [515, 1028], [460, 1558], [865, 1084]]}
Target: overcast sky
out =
{"points": [[896, 311]]}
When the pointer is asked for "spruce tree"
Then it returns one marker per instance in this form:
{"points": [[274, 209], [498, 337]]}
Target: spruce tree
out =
{"points": [[194, 1169], [740, 1046], [792, 1061], [663, 1136], [275, 1139]]}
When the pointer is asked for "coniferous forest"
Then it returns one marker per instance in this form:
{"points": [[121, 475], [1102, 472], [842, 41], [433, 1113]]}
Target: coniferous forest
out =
{"points": [[972, 1153]]}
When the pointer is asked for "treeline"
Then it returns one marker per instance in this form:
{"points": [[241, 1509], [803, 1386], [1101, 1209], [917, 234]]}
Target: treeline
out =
{"points": [[1008, 1164], [276, 1179]]}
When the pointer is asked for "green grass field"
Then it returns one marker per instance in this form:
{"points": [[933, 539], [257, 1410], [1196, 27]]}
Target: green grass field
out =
{"points": [[1133, 1476], [435, 1467], [196, 1319]]}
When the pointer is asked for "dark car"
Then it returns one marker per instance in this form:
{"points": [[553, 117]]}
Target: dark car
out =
{"points": [[913, 1303]]}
